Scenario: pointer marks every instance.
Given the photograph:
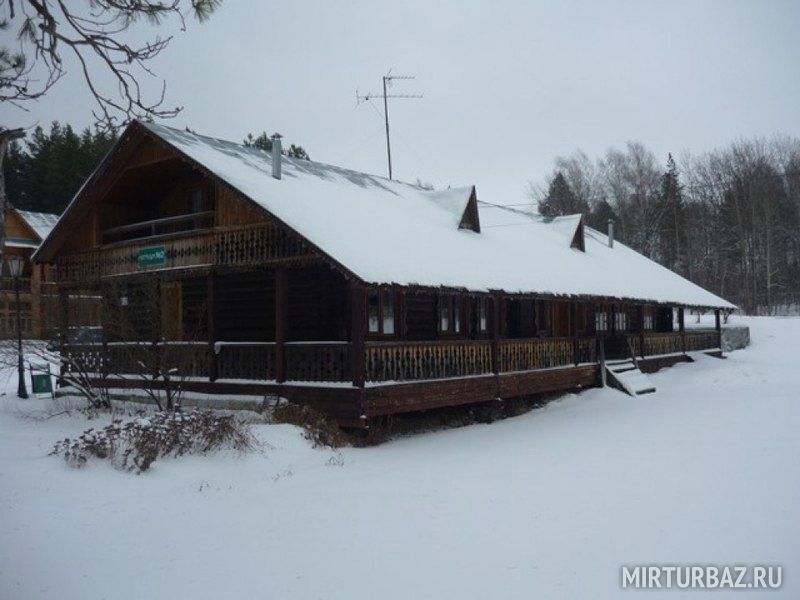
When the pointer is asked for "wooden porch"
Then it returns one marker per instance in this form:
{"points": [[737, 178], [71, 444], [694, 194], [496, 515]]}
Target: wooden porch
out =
{"points": [[397, 377]]}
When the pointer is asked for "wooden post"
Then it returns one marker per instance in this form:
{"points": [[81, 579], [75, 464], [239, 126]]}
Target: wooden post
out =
{"points": [[281, 294], [718, 326], [496, 312], [213, 368], [573, 322], [358, 332], [681, 328], [641, 330]]}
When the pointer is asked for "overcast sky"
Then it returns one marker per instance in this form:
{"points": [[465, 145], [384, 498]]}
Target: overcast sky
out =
{"points": [[507, 85]]}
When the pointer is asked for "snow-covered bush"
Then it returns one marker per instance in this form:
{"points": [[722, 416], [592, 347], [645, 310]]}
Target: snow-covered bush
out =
{"points": [[134, 445]]}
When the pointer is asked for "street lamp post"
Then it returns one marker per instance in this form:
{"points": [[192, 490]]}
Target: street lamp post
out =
{"points": [[15, 266]]}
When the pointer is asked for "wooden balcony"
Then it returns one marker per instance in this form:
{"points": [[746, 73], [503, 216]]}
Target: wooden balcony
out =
{"points": [[7, 284], [250, 245]]}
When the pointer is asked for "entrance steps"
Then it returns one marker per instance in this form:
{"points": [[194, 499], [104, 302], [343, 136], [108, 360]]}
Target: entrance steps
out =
{"points": [[625, 374]]}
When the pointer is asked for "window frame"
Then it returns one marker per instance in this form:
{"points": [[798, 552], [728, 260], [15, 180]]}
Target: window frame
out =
{"points": [[381, 293], [602, 310], [620, 316], [648, 318], [454, 304]]}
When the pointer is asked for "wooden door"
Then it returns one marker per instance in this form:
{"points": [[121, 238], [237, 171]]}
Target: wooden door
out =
{"points": [[171, 311]]}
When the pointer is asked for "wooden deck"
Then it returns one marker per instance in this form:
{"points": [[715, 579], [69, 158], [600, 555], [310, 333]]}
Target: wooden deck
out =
{"points": [[400, 376]]}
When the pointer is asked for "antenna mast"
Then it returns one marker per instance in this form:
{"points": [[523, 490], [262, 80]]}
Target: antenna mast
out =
{"points": [[387, 83]]}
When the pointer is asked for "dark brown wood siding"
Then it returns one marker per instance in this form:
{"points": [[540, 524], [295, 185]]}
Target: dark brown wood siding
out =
{"points": [[421, 317], [244, 305]]}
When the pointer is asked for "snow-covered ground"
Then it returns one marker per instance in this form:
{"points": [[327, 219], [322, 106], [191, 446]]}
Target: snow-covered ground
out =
{"points": [[546, 505]]}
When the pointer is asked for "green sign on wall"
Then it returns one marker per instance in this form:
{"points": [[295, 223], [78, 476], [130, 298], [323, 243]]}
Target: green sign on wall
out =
{"points": [[152, 257]]}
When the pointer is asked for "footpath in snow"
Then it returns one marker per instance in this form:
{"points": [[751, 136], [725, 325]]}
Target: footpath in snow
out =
{"points": [[546, 505]]}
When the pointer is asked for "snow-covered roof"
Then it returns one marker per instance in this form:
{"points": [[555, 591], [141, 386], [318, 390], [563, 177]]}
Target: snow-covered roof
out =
{"points": [[387, 231], [41, 223]]}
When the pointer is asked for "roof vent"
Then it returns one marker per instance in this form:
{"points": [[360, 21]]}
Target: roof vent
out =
{"points": [[277, 155], [611, 233]]}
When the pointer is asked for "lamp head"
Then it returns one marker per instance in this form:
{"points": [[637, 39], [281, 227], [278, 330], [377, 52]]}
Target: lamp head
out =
{"points": [[15, 265]]}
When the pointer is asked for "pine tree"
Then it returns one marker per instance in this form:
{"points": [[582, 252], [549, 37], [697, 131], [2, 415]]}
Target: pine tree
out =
{"points": [[264, 142], [45, 172], [599, 216], [560, 199], [673, 222]]}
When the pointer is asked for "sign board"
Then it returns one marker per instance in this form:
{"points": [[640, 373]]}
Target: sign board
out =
{"points": [[41, 383], [152, 256]]}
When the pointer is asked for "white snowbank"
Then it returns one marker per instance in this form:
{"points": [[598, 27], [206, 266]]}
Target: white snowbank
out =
{"points": [[547, 505]]}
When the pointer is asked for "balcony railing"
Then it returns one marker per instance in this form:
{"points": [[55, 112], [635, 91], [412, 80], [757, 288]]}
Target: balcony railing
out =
{"points": [[7, 284], [241, 246], [159, 227]]}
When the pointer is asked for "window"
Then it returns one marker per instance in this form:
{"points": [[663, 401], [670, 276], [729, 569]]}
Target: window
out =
{"points": [[374, 310], [449, 314], [648, 318], [381, 311], [195, 200], [387, 312], [620, 320], [483, 322], [444, 314], [601, 320]]}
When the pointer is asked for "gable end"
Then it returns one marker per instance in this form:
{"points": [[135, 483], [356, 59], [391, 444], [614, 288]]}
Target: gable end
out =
{"points": [[470, 219]]}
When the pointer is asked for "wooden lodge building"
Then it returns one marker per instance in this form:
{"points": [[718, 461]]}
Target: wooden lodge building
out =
{"points": [[359, 295], [24, 233]]}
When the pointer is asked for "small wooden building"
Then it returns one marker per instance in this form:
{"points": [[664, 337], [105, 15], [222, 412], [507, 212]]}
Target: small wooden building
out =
{"points": [[24, 232], [359, 295]]}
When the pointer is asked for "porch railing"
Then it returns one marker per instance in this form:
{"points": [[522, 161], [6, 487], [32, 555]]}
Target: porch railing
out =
{"points": [[672, 342], [535, 353], [707, 339], [245, 360], [405, 361], [239, 246], [332, 361]]}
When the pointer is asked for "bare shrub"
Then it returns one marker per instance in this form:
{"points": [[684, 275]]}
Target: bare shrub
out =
{"points": [[318, 428], [134, 445]]}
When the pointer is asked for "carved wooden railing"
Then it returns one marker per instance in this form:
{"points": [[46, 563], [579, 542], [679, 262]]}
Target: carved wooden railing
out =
{"points": [[671, 342], [535, 353], [245, 360], [241, 246], [587, 350], [7, 284], [178, 359], [406, 361], [706, 339], [659, 343], [317, 361]]}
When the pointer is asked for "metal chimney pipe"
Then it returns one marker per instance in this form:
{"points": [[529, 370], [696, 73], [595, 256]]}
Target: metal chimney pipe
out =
{"points": [[611, 233], [277, 155]]}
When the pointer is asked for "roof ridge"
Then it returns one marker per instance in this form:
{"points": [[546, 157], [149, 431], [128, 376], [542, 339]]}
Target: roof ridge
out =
{"points": [[298, 161]]}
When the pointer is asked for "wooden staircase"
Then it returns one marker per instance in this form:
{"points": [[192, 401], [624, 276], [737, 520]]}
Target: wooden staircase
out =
{"points": [[625, 374]]}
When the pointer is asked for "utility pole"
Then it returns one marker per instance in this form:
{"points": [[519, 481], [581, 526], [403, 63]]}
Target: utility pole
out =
{"points": [[387, 82]]}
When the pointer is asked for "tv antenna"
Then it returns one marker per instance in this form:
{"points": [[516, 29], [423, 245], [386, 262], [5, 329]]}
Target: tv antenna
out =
{"points": [[387, 83]]}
